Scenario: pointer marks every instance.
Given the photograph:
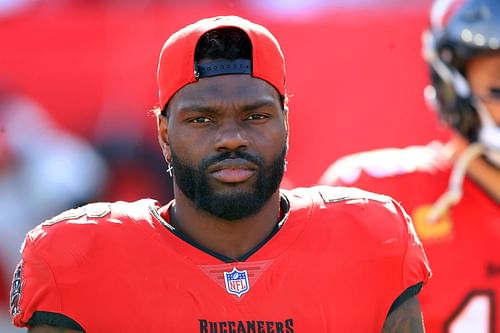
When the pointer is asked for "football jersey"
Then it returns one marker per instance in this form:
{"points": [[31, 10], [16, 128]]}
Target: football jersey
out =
{"points": [[337, 262], [463, 246]]}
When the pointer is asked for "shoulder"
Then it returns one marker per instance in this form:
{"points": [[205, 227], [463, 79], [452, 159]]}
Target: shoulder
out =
{"points": [[338, 201], [322, 195], [350, 210], [68, 255], [388, 162], [101, 212], [84, 224], [365, 224]]}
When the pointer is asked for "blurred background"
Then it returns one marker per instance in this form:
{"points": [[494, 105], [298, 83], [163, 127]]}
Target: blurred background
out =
{"points": [[77, 83]]}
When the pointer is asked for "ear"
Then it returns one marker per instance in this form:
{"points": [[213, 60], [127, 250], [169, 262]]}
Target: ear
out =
{"points": [[287, 125], [162, 124], [285, 118]]}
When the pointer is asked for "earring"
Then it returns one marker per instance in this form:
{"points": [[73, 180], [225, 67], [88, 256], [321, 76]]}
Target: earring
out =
{"points": [[170, 169]]}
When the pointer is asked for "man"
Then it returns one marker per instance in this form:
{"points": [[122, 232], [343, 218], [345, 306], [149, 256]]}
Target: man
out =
{"points": [[231, 253], [451, 190]]}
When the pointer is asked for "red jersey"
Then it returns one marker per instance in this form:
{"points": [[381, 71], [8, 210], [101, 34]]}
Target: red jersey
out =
{"points": [[462, 246], [337, 262]]}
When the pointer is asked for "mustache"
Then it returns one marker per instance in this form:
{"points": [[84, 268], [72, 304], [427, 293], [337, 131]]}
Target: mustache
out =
{"points": [[208, 161]]}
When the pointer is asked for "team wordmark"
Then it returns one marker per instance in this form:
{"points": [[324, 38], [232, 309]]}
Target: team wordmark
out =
{"points": [[247, 326]]}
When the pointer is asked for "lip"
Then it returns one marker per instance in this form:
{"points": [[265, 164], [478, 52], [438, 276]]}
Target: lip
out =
{"points": [[232, 170]]}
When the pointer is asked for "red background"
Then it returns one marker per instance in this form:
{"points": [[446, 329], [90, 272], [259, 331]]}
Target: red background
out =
{"points": [[355, 74]]}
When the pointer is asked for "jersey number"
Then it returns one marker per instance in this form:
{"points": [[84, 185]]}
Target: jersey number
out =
{"points": [[475, 314]]}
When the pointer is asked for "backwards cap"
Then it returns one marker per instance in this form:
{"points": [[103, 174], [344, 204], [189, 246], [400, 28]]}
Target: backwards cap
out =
{"points": [[177, 67]]}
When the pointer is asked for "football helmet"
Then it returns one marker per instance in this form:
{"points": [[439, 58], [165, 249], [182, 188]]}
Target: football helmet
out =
{"points": [[459, 30]]}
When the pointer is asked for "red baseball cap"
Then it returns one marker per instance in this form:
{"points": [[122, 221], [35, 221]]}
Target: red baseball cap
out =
{"points": [[177, 68]]}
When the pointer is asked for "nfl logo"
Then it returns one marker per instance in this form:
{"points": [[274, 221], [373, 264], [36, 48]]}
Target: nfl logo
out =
{"points": [[236, 282]]}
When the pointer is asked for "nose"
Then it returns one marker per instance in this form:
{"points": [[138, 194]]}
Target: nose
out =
{"points": [[231, 135]]}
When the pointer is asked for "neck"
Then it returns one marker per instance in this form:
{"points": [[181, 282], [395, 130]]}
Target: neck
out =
{"points": [[232, 239], [485, 174]]}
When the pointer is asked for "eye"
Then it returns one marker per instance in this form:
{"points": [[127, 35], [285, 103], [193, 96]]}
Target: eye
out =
{"points": [[257, 116], [200, 120], [495, 92]]}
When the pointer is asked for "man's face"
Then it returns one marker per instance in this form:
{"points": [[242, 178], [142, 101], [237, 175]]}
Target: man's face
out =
{"points": [[226, 137], [483, 73]]}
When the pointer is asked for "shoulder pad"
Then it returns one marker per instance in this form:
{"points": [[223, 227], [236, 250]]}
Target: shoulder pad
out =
{"points": [[332, 194], [385, 162], [92, 210], [99, 216]]}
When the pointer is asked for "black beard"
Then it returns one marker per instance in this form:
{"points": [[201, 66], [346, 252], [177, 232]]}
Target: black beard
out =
{"points": [[193, 182]]}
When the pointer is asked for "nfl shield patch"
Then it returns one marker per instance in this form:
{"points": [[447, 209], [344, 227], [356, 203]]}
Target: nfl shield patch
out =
{"points": [[236, 282]]}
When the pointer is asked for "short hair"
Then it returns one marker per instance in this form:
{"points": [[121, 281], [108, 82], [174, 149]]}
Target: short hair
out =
{"points": [[226, 43]]}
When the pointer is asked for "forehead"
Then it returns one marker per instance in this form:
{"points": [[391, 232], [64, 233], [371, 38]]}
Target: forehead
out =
{"points": [[234, 89]]}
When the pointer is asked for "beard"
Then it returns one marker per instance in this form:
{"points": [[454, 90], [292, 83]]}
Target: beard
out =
{"points": [[237, 204]]}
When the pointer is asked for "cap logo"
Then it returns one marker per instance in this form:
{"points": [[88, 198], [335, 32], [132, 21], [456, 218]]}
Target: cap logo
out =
{"points": [[236, 282], [222, 67]]}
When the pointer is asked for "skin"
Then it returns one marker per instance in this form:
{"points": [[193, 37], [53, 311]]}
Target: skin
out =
{"points": [[234, 112], [217, 114], [407, 318], [483, 73]]}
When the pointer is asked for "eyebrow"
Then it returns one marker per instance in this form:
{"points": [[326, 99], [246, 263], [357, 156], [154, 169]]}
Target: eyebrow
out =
{"points": [[198, 108], [202, 108], [258, 105]]}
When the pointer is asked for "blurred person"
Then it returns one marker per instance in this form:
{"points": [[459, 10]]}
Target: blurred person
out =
{"points": [[9, 8], [452, 190], [138, 171], [232, 252], [43, 170]]}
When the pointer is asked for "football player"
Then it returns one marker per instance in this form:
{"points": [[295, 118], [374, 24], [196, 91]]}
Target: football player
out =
{"points": [[452, 190], [232, 252]]}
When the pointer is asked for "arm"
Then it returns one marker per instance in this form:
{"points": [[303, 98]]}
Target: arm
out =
{"points": [[50, 329], [406, 318]]}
